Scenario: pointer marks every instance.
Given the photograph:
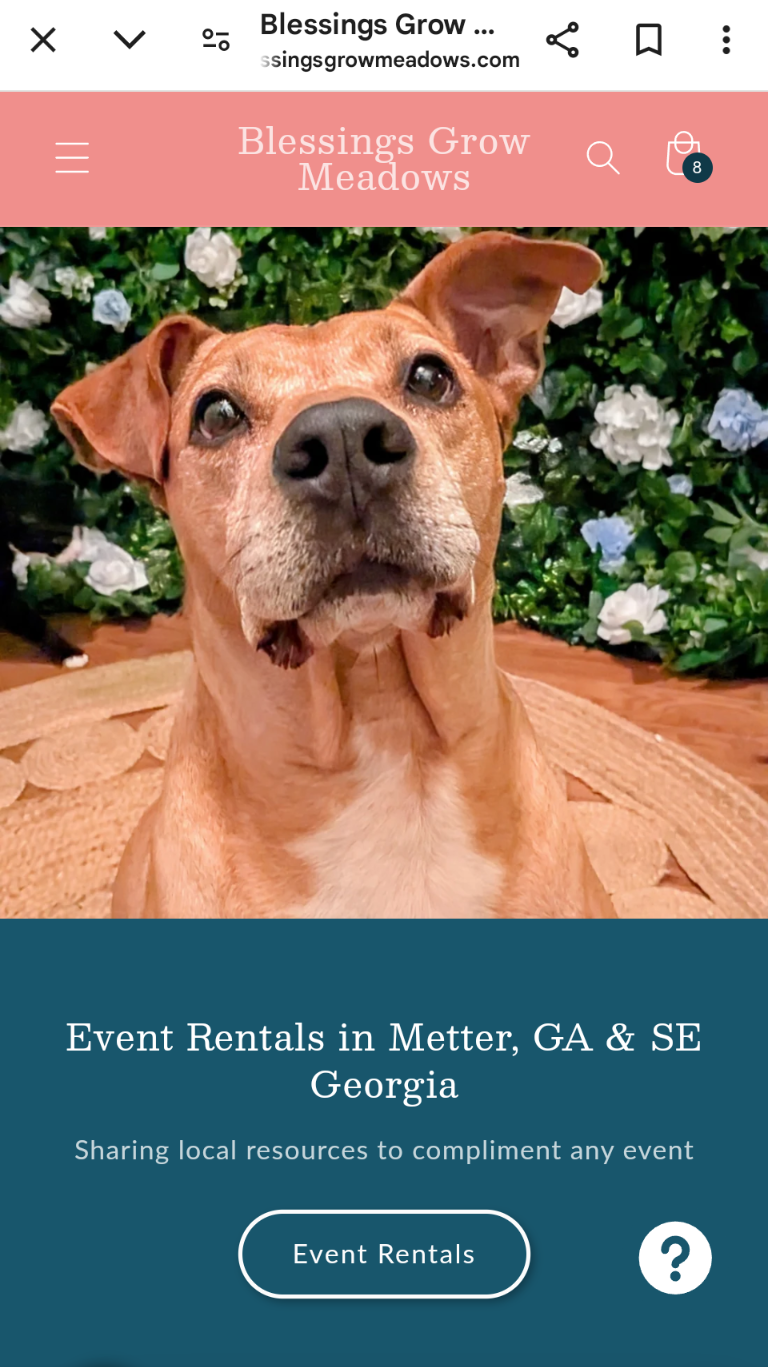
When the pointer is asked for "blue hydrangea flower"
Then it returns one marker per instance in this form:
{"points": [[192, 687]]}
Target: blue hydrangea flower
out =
{"points": [[612, 535], [112, 308], [738, 422], [680, 484]]}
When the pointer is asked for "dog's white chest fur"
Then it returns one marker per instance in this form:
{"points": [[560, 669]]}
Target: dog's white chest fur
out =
{"points": [[402, 848]]}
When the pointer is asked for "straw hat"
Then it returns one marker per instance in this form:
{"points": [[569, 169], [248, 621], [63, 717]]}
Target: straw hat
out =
{"points": [[81, 759]]}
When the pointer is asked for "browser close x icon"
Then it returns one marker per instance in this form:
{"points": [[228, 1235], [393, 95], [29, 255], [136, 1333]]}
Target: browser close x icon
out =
{"points": [[383, 696]]}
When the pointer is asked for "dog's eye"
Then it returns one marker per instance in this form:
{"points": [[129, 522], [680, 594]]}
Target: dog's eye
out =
{"points": [[430, 378], [216, 416]]}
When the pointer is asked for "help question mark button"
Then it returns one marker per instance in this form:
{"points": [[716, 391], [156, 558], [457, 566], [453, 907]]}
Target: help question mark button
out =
{"points": [[676, 1241], [675, 1258]]}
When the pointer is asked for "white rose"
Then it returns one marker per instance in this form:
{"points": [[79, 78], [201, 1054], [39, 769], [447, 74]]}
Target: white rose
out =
{"points": [[759, 558], [530, 441], [20, 567], [23, 306], [633, 426], [66, 279], [445, 234], [521, 489], [22, 562], [116, 572], [213, 259], [534, 443], [85, 544], [574, 308], [638, 603], [97, 234], [74, 283], [26, 429], [112, 570]]}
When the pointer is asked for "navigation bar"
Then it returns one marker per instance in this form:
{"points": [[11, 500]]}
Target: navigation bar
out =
{"points": [[311, 159]]}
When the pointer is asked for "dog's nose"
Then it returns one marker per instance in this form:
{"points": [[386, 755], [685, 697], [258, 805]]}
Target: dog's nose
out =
{"points": [[351, 449]]}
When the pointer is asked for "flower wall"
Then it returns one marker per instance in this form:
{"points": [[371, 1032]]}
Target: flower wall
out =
{"points": [[636, 512]]}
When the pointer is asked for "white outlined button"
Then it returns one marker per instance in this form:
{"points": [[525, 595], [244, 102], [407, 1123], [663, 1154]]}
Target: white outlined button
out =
{"points": [[515, 1261]]}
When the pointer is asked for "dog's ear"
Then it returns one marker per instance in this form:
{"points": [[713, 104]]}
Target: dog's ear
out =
{"points": [[118, 417], [491, 296]]}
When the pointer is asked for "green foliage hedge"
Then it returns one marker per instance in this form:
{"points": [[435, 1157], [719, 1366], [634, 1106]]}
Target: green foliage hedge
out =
{"points": [[684, 314]]}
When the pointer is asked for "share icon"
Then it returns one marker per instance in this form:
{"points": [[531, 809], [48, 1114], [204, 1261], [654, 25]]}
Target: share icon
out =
{"points": [[554, 39]]}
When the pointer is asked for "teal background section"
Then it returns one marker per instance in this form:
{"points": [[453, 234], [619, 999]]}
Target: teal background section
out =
{"points": [[135, 1264]]}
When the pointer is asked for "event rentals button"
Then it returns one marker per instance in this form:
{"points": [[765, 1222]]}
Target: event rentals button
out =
{"points": [[384, 1254]]}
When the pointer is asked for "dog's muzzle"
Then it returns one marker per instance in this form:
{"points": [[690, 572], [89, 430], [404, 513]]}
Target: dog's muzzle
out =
{"points": [[347, 464], [350, 452]]}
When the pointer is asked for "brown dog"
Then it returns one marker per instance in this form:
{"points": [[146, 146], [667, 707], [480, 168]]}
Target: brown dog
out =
{"points": [[336, 492]]}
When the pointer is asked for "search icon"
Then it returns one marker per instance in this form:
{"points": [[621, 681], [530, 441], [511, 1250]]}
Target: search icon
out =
{"points": [[609, 159]]}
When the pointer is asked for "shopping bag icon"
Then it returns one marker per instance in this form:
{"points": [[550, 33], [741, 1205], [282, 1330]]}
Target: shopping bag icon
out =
{"points": [[678, 149]]}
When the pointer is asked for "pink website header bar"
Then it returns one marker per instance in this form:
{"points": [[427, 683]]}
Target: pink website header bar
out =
{"points": [[389, 159]]}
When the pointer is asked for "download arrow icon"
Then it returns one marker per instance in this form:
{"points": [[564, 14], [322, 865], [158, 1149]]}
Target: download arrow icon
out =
{"points": [[133, 41]]}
